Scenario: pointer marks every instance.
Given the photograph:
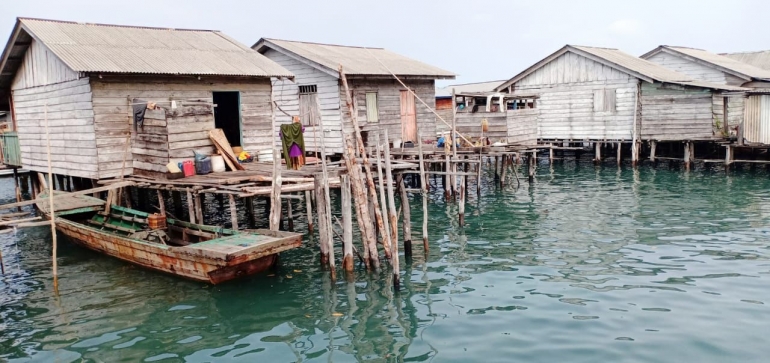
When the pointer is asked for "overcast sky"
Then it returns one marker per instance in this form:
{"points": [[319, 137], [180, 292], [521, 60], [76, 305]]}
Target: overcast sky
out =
{"points": [[478, 40]]}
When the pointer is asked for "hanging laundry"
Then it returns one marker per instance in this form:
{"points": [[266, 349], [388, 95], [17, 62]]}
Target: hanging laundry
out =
{"points": [[139, 108], [293, 143]]}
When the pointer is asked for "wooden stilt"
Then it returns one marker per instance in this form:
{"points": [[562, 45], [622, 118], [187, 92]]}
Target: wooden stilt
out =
{"points": [[598, 157], [17, 189], [478, 176], [687, 156], [309, 209], [393, 215], [532, 163], [51, 208], [233, 212], [461, 213], [620, 149], [728, 156], [550, 153], [447, 179], [190, 206], [653, 146], [176, 197], [161, 203], [199, 208], [407, 221], [504, 166], [424, 187], [290, 215], [275, 196], [251, 214], [347, 225], [497, 175], [383, 197], [321, 211]]}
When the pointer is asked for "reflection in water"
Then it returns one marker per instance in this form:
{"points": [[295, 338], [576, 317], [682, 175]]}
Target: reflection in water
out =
{"points": [[586, 264]]}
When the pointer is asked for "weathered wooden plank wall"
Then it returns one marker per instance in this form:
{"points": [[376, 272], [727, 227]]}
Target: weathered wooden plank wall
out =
{"points": [[389, 105], [71, 128], [565, 106], [735, 110], [469, 125], [173, 134], [286, 95], [522, 126], [676, 113], [444, 109], [40, 67]]}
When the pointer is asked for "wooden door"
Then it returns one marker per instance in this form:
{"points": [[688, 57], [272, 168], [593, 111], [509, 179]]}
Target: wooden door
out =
{"points": [[408, 117]]}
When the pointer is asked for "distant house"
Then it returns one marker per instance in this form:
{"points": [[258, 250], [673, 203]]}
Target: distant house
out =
{"points": [[444, 99], [316, 94], [707, 66], [85, 78], [759, 59], [594, 94]]}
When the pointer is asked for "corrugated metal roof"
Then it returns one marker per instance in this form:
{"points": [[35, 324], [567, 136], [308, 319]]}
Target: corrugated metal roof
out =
{"points": [[627, 63], [760, 59], [468, 88], [355, 60], [726, 63], [125, 49]]}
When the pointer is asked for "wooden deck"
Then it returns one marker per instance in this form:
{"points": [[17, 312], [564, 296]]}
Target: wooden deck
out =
{"points": [[65, 203]]}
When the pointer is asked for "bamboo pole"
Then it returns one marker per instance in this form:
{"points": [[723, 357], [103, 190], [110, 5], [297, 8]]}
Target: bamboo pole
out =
{"points": [[347, 225], [407, 221], [393, 217], [309, 209], [383, 199], [365, 162], [51, 208], [275, 196], [424, 187], [233, 212]]}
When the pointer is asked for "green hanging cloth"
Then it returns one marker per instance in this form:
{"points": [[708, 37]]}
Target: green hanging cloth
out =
{"points": [[291, 134]]}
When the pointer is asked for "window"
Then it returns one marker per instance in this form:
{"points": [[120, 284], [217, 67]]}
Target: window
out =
{"points": [[521, 103], [303, 90], [372, 110], [604, 100], [308, 105]]}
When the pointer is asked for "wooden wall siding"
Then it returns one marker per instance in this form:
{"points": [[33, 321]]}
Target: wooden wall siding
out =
{"points": [[694, 69], [40, 67], [469, 125], [71, 128], [389, 103], [735, 110], [565, 106], [670, 113], [286, 95], [571, 68], [522, 126], [447, 115], [174, 134]]}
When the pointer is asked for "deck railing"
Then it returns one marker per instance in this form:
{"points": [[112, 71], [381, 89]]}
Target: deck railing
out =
{"points": [[11, 150]]}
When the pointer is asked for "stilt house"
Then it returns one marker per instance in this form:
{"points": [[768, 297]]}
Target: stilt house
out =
{"points": [[317, 96], [597, 94], [746, 116], [79, 82], [444, 102]]}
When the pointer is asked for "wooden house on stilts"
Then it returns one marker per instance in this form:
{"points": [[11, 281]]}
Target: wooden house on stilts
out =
{"points": [[81, 81], [743, 116], [380, 100], [601, 95]]}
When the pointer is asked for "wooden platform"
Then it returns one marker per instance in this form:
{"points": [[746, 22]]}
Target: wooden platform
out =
{"points": [[65, 204]]}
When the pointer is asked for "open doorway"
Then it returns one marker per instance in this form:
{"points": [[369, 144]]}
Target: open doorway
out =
{"points": [[227, 115]]}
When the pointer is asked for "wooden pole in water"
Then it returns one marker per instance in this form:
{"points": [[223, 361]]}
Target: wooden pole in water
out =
{"points": [[347, 225], [447, 179], [275, 196], [620, 148], [424, 187], [653, 145], [51, 209], [478, 176], [309, 209], [383, 199], [461, 213], [199, 208], [368, 173], [393, 216], [504, 166], [532, 162], [407, 221], [687, 156], [190, 206], [290, 215], [233, 212], [320, 199]]}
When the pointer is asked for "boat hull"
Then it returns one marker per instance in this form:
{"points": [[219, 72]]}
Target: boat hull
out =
{"points": [[178, 261]]}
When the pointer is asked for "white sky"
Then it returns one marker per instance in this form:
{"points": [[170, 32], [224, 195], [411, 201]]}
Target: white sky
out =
{"points": [[478, 40]]}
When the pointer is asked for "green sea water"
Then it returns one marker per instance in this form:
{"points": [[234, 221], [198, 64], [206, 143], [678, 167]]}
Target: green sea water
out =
{"points": [[586, 264]]}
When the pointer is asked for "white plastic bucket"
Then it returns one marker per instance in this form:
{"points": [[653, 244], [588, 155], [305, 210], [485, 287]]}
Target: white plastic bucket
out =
{"points": [[265, 155], [397, 143], [217, 163]]}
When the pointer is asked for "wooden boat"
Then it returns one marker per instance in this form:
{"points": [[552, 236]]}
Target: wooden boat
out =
{"points": [[199, 252]]}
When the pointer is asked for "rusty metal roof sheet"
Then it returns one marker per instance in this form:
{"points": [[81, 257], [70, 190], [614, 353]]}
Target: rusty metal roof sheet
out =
{"points": [[637, 67], [358, 61], [126, 49]]}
